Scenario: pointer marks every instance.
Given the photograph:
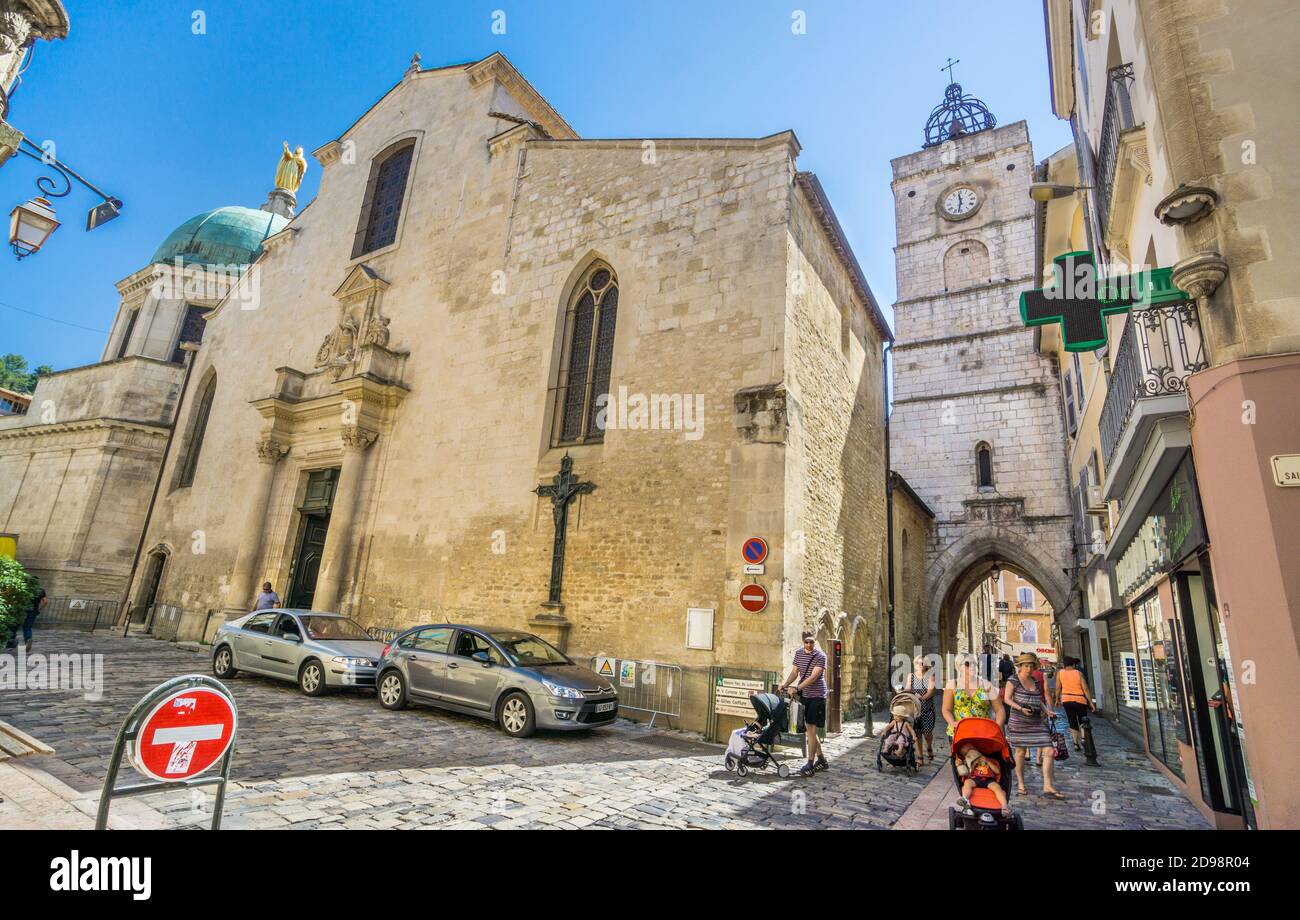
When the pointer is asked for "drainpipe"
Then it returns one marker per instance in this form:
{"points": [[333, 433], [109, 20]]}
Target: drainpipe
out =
{"points": [[189, 348], [889, 507]]}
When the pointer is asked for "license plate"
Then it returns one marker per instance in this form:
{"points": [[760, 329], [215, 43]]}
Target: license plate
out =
{"points": [[605, 707]]}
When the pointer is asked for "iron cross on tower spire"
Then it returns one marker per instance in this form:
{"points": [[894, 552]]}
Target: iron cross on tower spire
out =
{"points": [[562, 490], [948, 67]]}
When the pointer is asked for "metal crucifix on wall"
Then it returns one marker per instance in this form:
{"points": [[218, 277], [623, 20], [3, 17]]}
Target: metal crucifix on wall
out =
{"points": [[562, 490]]}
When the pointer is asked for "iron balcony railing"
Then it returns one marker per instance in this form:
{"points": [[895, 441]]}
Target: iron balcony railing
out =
{"points": [[1159, 349], [1116, 118]]}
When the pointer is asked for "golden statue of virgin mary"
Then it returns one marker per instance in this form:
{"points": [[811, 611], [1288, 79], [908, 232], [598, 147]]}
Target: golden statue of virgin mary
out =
{"points": [[292, 167]]}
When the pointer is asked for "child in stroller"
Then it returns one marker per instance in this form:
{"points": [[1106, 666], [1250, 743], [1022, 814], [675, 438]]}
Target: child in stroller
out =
{"points": [[751, 747], [898, 743], [981, 768]]}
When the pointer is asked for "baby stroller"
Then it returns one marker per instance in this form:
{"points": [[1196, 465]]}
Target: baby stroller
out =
{"points": [[907, 707], [985, 812], [750, 747]]}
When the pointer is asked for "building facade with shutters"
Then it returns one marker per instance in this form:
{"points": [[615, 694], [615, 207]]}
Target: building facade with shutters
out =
{"points": [[1185, 420], [481, 312]]}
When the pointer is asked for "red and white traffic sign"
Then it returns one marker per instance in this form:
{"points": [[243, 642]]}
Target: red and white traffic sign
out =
{"points": [[753, 598], [185, 734]]}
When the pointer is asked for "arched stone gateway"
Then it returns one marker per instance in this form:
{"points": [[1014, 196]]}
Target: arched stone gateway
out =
{"points": [[960, 567]]}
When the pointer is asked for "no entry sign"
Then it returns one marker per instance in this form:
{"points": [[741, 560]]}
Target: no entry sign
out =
{"points": [[754, 550], [753, 598], [186, 733]]}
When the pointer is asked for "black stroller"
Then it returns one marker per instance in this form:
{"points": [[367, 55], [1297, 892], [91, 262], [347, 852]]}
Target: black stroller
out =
{"points": [[750, 747]]}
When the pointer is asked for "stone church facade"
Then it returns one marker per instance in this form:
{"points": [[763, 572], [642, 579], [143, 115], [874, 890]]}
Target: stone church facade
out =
{"points": [[977, 425], [375, 405]]}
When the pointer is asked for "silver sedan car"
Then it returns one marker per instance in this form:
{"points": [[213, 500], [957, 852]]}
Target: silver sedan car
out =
{"points": [[514, 678], [315, 650]]}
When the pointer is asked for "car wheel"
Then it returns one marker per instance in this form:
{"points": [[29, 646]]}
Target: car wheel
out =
{"points": [[223, 663], [311, 678], [392, 690], [516, 716]]}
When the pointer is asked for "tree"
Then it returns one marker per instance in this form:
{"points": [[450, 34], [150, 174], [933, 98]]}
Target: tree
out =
{"points": [[17, 588], [15, 376]]}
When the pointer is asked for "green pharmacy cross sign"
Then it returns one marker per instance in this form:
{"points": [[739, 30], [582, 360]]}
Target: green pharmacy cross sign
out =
{"points": [[1080, 300]]}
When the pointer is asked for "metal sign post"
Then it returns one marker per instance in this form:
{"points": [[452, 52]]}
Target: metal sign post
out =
{"points": [[152, 722]]}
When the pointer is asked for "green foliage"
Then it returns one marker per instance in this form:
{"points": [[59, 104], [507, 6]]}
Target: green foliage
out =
{"points": [[14, 374], [17, 588]]}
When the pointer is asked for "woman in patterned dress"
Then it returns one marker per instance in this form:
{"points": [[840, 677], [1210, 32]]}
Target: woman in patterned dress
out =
{"points": [[969, 696], [922, 684], [1027, 727]]}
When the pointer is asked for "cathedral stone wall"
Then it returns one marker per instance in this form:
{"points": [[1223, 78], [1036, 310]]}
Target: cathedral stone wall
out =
{"points": [[498, 226]]}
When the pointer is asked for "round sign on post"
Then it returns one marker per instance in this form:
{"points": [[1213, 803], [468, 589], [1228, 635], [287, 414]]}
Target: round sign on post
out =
{"points": [[753, 598], [185, 734], [754, 550]]}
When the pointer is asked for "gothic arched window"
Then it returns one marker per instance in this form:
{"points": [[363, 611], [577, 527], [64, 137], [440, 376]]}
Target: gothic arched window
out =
{"points": [[198, 426], [984, 465], [587, 356], [382, 206]]}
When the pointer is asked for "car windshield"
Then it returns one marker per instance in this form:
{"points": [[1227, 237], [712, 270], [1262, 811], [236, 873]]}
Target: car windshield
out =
{"points": [[334, 628], [528, 650]]}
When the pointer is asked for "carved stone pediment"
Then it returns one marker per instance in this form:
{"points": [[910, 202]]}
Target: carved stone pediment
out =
{"points": [[994, 510], [360, 321]]}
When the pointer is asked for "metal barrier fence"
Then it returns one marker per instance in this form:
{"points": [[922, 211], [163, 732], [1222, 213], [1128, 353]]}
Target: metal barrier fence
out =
{"points": [[77, 613], [644, 686]]}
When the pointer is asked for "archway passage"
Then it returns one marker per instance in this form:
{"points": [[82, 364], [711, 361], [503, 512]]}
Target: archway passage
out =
{"points": [[996, 604]]}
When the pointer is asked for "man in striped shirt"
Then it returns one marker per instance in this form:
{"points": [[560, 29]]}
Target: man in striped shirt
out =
{"points": [[807, 678]]}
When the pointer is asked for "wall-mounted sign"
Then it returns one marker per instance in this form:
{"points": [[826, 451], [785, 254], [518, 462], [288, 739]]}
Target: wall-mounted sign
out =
{"points": [[731, 696], [1286, 469], [753, 598], [1172, 530], [757, 569], [1080, 298], [754, 550], [699, 627]]}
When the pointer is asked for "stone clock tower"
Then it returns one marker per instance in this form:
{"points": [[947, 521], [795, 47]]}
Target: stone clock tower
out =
{"points": [[977, 426]]}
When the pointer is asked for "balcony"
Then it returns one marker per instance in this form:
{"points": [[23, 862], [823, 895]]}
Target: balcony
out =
{"points": [[1158, 350], [1122, 160]]}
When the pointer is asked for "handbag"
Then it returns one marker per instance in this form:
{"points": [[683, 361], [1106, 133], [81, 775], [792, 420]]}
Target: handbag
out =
{"points": [[1060, 750]]}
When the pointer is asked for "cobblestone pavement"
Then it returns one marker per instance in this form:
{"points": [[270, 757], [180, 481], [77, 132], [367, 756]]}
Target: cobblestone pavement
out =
{"points": [[343, 761]]}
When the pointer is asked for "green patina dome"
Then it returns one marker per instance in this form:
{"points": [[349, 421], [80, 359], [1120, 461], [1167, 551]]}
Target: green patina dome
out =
{"points": [[225, 236]]}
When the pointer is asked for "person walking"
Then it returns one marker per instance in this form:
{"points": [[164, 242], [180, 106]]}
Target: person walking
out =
{"points": [[922, 684], [1005, 670], [969, 696], [1027, 704], [267, 600], [1075, 697], [39, 603], [807, 681]]}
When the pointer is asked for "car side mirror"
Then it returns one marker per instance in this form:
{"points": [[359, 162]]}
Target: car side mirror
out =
{"points": [[481, 657], [292, 637]]}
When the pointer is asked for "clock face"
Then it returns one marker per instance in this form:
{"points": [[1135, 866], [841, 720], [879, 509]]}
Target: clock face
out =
{"points": [[960, 202]]}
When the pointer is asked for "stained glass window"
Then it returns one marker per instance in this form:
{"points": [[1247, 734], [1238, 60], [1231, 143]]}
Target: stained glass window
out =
{"points": [[588, 357]]}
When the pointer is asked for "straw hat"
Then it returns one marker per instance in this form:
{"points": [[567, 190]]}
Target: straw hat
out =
{"points": [[1028, 658]]}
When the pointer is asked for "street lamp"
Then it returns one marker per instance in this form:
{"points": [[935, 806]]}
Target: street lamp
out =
{"points": [[30, 225], [1049, 191]]}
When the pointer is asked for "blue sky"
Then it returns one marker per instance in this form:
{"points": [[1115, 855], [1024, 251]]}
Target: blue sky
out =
{"points": [[175, 123]]}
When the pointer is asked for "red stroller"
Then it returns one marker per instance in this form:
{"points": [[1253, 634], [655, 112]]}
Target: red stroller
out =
{"points": [[985, 812]]}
